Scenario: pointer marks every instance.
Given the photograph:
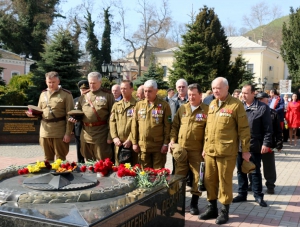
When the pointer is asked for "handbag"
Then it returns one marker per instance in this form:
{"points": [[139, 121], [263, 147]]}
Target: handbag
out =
{"points": [[124, 155]]}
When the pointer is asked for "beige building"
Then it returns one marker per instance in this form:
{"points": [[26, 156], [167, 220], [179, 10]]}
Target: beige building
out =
{"points": [[264, 62], [13, 65]]}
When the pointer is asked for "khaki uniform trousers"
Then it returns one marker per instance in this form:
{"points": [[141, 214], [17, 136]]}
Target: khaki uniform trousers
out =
{"points": [[95, 152], [155, 160], [194, 158], [134, 157], [54, 147], [218, 178]]}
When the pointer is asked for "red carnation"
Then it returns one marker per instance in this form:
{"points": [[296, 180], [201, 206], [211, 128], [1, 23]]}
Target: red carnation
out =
{"points": [[25, 171], [83, 168], [67, 165], [20, 171], [91, 168], [115, 169], [63, 165]]}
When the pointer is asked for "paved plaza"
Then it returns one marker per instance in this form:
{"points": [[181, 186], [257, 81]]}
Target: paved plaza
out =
{"points": [[283, 207]]}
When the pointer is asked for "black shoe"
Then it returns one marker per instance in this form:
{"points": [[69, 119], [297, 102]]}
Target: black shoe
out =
{"points": [[211, 211], [194, 205], [239, 198], [261, 202], [223, 216], [270, 191], [250, 188]]}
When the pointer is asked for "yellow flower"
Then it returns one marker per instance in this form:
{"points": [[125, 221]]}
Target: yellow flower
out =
{"points": [[40, 164], [58, 161], [143, 173], [127, 165], [55, 165]]}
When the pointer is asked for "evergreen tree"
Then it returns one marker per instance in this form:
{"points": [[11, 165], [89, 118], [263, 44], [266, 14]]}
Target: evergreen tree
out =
{"points": [[290, 51], [106, 41], [238, 74], [61, 55], [154, 73], [24, 24], [92, 45], [205, 53]]}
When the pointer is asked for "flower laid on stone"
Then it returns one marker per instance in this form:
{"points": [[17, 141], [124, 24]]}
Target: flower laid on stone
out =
{"points": [[146, 177], [102, 167]]}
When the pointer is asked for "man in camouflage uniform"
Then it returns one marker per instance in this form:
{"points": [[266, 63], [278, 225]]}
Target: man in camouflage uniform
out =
{"points": [[188, 129], [121, 120], [96, 106], [151, 128], [55, 130], [227, 127]]}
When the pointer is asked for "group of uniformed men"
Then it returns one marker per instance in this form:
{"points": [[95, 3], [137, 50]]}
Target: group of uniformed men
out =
{"points": [[151, 127]]}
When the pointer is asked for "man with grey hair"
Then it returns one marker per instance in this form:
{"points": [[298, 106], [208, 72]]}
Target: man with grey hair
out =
{"points": [[175, 102], [116, 91], [227, 127], [151, 125], [96, 106]]}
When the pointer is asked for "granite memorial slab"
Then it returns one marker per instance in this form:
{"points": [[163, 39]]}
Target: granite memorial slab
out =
{"points": [[16, 127]]}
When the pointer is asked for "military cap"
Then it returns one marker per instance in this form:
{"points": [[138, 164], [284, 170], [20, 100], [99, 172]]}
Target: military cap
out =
{"points": [[179, 153], [83, 84], [35, 110], [262, 95], [248, 167], [76, 114]]}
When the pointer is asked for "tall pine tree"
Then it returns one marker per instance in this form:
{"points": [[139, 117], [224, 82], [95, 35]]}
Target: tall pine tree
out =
{"points": [[290, 49], [205, 53], [61, 55], [92, 45], [106, 41]]}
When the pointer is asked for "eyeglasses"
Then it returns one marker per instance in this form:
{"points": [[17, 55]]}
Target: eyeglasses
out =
{"points": [[181, 86]]}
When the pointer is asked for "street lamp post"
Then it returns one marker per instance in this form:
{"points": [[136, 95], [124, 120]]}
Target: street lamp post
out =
{"points": [[111, 68], [263, 83], [24, 56]]}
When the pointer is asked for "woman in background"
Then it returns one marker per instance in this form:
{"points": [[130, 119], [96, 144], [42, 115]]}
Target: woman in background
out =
{"points": [[293, 118]]}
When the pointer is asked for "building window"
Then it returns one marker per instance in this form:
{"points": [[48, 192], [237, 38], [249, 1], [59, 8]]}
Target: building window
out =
{"points": [[15, 73], [1, 75], [165, 68], [250, 68]]}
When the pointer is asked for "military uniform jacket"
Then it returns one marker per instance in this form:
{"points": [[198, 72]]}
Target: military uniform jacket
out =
{"points": [[121, 119], [226, 125], [102, 101], [60, 103], [151, 125], [188, 127]]}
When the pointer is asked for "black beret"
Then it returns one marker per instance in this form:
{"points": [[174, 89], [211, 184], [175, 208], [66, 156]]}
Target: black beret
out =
{"points": [[262, 95], [83, 84]]}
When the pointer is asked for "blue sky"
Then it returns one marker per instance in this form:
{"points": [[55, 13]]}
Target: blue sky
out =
{"points": [[229, 11]]}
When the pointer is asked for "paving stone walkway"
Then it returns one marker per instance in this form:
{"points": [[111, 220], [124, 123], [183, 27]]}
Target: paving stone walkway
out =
{"points": [[283, 207]]}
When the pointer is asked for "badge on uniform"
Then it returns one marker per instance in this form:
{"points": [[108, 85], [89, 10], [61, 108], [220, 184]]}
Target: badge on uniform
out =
{"points": [[130, 113], [200, 117], [184, 114], [142, 113], [225, 112], [157, 120]]}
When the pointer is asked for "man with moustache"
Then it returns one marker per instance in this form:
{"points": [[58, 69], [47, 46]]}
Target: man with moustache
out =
{"points": [[188, 130]]}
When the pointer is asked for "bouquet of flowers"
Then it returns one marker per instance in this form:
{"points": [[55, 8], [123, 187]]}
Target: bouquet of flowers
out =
{"points": [[146, 178]]}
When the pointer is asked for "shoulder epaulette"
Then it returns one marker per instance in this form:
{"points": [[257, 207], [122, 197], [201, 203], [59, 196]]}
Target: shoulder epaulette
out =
{"points": [[66, 91], [106, 90]]}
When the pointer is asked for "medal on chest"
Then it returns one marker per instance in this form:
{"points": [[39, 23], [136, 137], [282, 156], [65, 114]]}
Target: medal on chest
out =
{"points": [[142, 113], [225, 113], [130, 113]]}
